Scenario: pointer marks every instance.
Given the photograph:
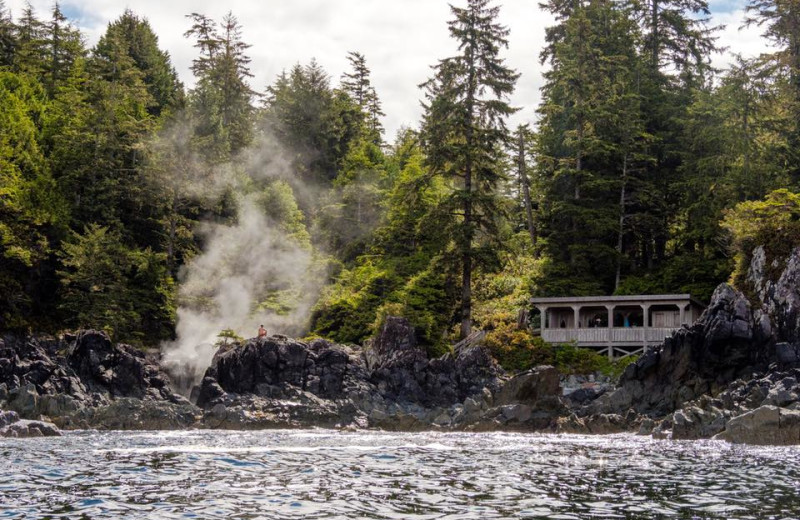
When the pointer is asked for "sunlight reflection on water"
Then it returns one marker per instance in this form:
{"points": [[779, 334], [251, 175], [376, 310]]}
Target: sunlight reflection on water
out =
{"points": [[314, 474]]}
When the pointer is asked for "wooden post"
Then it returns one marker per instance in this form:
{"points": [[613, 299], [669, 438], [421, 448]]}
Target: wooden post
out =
{"points": [[576, 309], [542, 317], [645, 323], [610, 309]]}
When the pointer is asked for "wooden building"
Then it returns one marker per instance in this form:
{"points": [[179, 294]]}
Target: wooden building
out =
{"points": [[614, 325]]}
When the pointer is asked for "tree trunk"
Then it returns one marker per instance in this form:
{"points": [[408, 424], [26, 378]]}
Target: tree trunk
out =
{"points": [[526, 192], [621, 229], [466, 253], [654, 31], [172, 232]]}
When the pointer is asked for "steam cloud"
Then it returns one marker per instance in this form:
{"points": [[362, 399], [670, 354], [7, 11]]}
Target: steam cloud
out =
{"points": [[250, 272]]}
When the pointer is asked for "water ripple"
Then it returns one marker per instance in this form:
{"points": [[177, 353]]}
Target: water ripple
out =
{"points": [[316, 474]]}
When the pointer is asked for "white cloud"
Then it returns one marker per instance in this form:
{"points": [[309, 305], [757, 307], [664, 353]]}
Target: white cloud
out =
{"points": [[400, 39]]}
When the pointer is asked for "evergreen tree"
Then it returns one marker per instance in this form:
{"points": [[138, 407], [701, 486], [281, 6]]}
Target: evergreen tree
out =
{"points": [[591, 145], [107, 286], [31, 53], [521, 150], [64, 47], [31, 209], [781, 20], [358, 85], [464, 130], [7, 37], [221, 101], [676, 35], [312, 121], [140, 43]]}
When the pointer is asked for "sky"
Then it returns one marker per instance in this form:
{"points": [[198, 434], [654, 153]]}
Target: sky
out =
{"points": [[401, 39]]}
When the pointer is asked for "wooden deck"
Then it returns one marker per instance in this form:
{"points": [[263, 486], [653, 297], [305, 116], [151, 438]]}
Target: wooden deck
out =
{"points": [[615, 343], [602, 336]]}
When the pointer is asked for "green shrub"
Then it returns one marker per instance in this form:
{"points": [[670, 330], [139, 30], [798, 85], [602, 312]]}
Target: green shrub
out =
{"points": [[773, 223], [571, 359], [517, 349]]}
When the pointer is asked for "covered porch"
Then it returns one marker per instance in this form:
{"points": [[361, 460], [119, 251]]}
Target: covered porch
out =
{"points": [[616, 326]]}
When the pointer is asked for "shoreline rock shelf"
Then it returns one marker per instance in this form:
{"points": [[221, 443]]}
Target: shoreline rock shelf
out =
{"points": [[733, 375]]}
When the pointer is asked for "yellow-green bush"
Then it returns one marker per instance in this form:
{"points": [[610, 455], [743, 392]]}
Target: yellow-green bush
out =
{"points": [[773, 223]]}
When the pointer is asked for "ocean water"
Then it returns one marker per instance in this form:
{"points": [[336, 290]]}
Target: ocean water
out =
{"points": [[312, 474]]}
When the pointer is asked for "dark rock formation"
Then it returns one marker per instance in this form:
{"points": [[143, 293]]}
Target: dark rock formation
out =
{"points": [[402, 371], [278, 381], [719, 377], [78, 380], [741, 355], [712, 352], [87, 381]]}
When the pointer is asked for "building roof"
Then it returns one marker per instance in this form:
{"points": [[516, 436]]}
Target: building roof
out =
{"points": [[602, 300]]}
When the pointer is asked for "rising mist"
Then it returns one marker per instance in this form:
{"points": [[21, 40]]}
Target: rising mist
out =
{"points": [[252, 269]]}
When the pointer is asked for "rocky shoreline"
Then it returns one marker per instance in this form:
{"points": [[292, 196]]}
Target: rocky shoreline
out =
{"points": [[733, 375]]}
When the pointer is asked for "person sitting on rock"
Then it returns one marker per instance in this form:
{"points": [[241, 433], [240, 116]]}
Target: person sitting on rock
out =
{"points": [[262, 332]]}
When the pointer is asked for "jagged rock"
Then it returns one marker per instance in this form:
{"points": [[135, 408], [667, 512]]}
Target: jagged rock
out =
{"points": [[768, 425], [278, 381], [693, 422], [586, 394], [399, 368], [117, 370], [714, 351], [782, 300], [647, 426], [75, 380], [24, 400], [516, 412]]}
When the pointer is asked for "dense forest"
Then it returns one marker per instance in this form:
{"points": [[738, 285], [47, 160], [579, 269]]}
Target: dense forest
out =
{"points": [[639, 170]]}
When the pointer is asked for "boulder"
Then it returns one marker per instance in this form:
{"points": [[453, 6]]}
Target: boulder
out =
{"points": [[715, 350], [694, 422], [24, 400], [6, 418], [117, 370], [766, 425], [787, 354], [12, 426], [529, 387]]}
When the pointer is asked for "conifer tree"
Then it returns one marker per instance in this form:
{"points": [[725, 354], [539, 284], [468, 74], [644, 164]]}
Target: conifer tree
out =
{"points": [[358, 85], [222, 98], [64, 45], [139, 41], [521, 150], [312, 120], [591, 143], [464, 130], [7, 37], [781, 20], [31, 43], [676, 34]]}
